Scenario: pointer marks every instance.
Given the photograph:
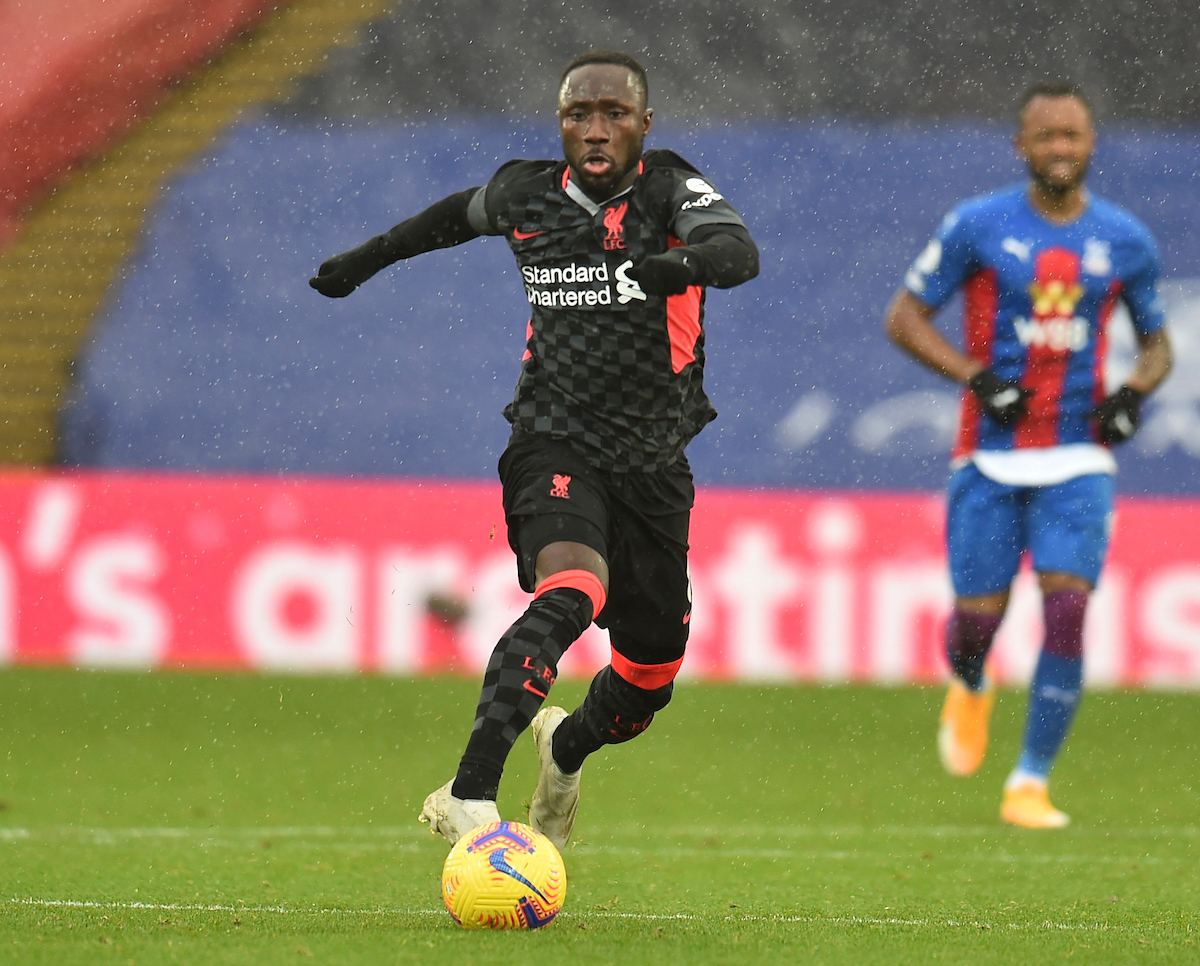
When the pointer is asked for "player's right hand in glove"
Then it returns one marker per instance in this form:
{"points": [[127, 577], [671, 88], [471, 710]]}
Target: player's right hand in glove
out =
{"points": [[1003, 401], [671, 273], [341, 274], [1117, 417]]}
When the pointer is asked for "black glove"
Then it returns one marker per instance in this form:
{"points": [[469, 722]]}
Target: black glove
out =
{"points": [[1118, 415], [1003, 401], [342, 274], [668, 274]]}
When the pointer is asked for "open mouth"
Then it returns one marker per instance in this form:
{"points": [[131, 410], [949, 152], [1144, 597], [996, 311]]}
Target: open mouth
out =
{"points": [[597, 165], [1063, 167]]}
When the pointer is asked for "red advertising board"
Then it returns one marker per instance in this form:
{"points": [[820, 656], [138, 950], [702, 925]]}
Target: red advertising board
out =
{"points": [[409, 577]]}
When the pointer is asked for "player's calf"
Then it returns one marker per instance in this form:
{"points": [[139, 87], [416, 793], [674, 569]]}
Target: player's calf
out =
{"points": [[518, 678], [619, 706], [615, 710], [1057, 683], [969, 637]]}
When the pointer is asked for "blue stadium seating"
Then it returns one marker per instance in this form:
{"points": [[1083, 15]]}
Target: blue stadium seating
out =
{"points": [[216, 355]]}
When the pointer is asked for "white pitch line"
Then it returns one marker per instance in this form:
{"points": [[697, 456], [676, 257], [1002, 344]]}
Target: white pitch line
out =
{"points": [[285, 910], [566, 914], [244, 831], [184, 907]]}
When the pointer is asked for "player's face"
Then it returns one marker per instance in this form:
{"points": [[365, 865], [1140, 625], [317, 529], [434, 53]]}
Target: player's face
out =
{"points": [[1056, 140], [603, 119]]}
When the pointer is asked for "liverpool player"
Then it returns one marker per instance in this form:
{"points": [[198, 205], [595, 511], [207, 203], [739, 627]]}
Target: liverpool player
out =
{"points": [[1041, 265], [615, 247]]}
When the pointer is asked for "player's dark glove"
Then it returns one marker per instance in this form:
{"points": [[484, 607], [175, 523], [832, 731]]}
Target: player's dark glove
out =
{"points": [[342, 274], [1118, 415], [1003, 401], [668, 274]]}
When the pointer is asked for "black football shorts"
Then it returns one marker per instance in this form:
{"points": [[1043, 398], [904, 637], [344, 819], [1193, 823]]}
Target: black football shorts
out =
{"points": [[638, 522]]}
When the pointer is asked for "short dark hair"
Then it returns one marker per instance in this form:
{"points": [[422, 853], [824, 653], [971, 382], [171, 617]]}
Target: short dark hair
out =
{"points": [[610, 57], [1053, 88]]}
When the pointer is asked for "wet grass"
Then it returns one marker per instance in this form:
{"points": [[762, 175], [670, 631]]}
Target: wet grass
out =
{"points": [[181, 818]]}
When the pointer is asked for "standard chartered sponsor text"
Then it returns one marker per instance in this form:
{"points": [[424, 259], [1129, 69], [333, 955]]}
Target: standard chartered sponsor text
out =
{"points": [[538, 282]]}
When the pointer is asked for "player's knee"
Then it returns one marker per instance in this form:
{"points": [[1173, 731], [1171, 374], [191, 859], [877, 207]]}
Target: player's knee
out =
{"points": [[649, 676], [634, 707], [571, 557], [590, 585], [672, 637], [643, 700], [618, 711], [1052, 582]]}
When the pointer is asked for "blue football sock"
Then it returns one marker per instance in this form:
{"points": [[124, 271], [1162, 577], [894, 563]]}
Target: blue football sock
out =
{"points": [[1053, 698]]}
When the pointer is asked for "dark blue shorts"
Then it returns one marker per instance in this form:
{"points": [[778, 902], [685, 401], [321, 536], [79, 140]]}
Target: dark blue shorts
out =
{"points": [[1065, 528]]}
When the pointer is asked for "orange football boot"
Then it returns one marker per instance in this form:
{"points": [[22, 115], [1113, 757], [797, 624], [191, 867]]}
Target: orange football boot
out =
{"points": [[963, 728], [1028, 804]]}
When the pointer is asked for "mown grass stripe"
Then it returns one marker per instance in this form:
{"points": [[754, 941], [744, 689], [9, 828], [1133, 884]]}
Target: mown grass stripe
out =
{"points": [[598, 914], [720, 832]]}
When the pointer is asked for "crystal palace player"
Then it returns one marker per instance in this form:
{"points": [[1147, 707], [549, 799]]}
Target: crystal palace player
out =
{"points": [[615, 248], [1041, 266]]}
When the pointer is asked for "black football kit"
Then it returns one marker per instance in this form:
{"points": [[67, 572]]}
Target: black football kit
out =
{"points": [[610, 392], [613, 370]]}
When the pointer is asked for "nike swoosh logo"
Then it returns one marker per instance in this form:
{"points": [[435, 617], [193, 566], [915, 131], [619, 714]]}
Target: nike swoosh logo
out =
{"points": [[529, 687], [522, 236], [499, 861]]}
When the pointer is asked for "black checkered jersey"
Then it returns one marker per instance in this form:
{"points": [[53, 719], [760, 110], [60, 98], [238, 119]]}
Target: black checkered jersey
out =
{"points": [[617, 373]]}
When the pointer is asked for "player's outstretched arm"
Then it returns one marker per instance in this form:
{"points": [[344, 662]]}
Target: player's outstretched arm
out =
{"points": [[718, 255], [441, 225]]}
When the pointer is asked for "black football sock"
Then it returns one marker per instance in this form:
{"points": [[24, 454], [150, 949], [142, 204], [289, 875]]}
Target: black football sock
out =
{"points": [[518, 677], [613, 711]]}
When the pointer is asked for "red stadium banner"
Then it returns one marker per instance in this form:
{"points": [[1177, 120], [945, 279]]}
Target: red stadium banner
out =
{"points": [[77, 74], [103, 569]]}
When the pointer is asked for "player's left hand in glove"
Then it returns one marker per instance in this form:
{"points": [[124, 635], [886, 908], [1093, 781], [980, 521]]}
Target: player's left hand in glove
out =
{"points": [[668, 274], [342, 274], [1117, 417]]}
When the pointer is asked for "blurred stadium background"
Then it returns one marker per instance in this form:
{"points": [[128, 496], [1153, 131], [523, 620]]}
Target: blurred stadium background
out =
{"points": [[211, 466]]}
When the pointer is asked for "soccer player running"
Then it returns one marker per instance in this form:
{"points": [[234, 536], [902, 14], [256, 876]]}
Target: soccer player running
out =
{"points": [[1041, 266], [615, 246]]}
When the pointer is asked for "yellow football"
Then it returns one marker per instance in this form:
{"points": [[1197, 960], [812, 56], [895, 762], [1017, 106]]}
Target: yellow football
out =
{"points": [[504, 875]]}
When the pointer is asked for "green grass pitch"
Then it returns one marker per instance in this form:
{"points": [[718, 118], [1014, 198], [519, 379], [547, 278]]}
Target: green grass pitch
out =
{"points": [[183, 818]]}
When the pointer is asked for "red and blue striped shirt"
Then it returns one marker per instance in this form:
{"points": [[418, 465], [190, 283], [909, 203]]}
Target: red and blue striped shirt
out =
{"points": [[1038, 301]]}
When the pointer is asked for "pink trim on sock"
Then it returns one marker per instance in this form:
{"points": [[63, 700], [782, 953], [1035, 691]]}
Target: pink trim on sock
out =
{"points": [[582, 580], [649, 677]]}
